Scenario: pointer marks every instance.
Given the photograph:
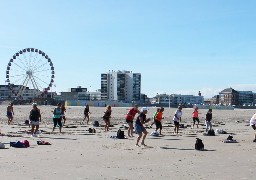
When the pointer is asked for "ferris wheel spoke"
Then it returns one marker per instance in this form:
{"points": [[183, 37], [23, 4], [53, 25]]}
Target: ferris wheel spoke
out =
{"points": [[37, 63], [40, 67], [41, 80], [19, 66], [18, 80], [37, 84], [18, 75], [25, 60], [22, 62], [42, 71]]}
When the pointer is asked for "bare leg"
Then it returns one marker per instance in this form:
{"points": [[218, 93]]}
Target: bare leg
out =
{"points": [[32, 129], [143, 138], [138, 139]]}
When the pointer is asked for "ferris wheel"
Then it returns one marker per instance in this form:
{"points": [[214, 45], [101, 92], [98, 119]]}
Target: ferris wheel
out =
{"points": [[32, 69]]}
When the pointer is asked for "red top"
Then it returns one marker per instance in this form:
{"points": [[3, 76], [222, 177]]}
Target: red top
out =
{"points": [[195, 114], [132, 112]]}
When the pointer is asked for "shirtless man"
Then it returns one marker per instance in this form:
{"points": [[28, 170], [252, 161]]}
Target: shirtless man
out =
{"points": [[10, 113]]}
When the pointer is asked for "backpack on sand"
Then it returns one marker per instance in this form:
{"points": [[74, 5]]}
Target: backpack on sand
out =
{"points": [[120, 134], [211, 132], [96, 124], [199, 144]]}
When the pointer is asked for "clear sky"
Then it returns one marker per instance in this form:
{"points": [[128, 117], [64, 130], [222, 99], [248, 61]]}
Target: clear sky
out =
{"points": [[179, 46]]}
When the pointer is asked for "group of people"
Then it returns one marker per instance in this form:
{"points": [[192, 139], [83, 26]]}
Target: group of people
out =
{"points": [[157, 120], [35, 117], [141, 119]]}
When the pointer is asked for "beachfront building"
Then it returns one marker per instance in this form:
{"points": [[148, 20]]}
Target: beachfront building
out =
{"points": [[176, 99], [246, 98], [122, 86], [229, 97], [7, 92], [80, 94]]}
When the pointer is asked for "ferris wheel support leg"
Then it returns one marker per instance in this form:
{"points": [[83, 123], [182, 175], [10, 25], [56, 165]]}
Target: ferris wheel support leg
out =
{"points": [[23, 87]]}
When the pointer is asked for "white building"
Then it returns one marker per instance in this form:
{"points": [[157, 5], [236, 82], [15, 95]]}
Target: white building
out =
{"points": [[176, 99], [121, 86]]}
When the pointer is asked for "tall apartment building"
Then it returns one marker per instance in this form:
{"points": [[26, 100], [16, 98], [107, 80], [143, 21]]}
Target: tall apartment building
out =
{"points": [[121, 86]]}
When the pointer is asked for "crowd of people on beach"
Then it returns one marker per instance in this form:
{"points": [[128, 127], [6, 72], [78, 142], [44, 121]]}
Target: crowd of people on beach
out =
{"points": [[59, 120]]}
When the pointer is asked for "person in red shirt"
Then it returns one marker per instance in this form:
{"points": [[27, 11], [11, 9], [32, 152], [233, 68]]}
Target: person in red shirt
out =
{"points": [[195, 117], [158, 119], [129, 119]]}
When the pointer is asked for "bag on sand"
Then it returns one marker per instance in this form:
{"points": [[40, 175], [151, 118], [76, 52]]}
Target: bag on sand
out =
{"points": [[211, 132], [96, 124], [92, 130], [199, 144], [120, 134]]}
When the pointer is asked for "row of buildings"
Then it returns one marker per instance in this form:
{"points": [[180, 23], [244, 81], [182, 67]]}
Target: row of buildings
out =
{"points": [[125, 86]]}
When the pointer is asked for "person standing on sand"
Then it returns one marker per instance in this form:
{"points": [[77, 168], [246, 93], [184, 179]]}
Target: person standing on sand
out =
{"points": [[35, 117], [177, 119], [57, 117], [253, 125], [129, 119], [195, 117], [86, 113], [154, 117], [63, 110], [208, 120], [10, 113], [106, 117], [139, 128], [158, 120]]}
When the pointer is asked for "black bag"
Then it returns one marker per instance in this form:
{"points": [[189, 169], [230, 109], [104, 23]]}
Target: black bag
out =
{"points": [[120, 134], [230, 138], [96, 124], [211, 132], [90, 130], [199, 144]]}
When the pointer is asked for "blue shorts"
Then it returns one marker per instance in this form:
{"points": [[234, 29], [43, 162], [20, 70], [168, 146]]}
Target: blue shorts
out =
{"points": [[139, 129]]}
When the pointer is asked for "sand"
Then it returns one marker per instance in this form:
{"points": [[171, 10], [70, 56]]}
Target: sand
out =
{"points": [[77, 154]]}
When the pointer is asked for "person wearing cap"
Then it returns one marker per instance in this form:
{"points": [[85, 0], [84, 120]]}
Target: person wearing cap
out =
{"points": [[35, 117], [177, 119], [139, 128], [10, 113], [129, 119], [57, 117]]}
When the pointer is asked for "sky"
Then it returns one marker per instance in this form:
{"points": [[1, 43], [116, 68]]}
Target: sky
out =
{"points": [[178, 46]]}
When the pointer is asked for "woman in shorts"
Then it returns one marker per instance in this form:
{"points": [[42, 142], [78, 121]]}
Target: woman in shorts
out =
{"points": [[35, 117], [106, 117], [177, 119], [129, 119]]}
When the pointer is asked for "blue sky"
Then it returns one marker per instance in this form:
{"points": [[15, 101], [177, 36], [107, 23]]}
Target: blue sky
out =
{"points": [[179, 46]]}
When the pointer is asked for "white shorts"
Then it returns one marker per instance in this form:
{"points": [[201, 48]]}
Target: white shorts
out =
{"points": [[35, 123]]}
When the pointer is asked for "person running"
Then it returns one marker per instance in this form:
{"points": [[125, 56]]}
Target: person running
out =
{"points": [[129, 119], [158, 120], [57, 117], [106, 117], [86, 113], [154, 117], [195, 117], [10, 113], [139, 128], [208, 120], [177, 119], [63, 110], [253, 125], [35, 117]]}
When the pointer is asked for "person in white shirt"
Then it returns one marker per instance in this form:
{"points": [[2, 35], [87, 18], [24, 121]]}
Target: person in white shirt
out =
{"points": [[177, 119], [253, 125]]}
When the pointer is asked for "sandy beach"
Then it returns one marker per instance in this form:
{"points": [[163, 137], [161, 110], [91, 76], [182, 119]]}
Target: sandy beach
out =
{"points": [[77, 154]]}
